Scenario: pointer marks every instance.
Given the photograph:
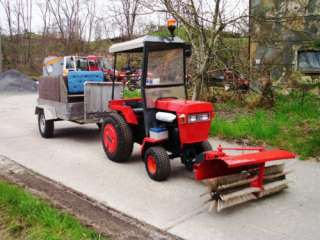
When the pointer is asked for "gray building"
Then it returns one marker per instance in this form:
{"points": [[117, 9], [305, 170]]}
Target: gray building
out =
{"points": [[285, 38]]}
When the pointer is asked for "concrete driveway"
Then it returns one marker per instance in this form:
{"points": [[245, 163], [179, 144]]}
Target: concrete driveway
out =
{"points": [[76, 159]]}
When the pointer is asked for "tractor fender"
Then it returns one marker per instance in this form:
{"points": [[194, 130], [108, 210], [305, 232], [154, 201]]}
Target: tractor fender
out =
{"points": [[148, 142], [128, 114]]}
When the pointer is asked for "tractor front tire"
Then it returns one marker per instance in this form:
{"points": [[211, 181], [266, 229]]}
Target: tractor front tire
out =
{"points": [[203, 147], [199, 148], [157, 163], [46, 127], [116, 137]]}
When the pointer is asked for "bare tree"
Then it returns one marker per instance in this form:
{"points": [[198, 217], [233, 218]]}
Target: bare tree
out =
{"points": [[91, 11], [125, 14], [204, 23], [70, 18], [19, 16], [6, 4], [23, 20], [44, 8], [65, 26]]}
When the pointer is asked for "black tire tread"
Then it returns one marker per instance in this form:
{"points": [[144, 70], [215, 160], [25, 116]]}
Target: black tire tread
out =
{"points": [[204, 146], [199, 148], [162, 161], [124, 137], [49, 127]]}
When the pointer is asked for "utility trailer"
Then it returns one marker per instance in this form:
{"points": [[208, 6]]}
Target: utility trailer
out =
{"points": [[82, 105]]}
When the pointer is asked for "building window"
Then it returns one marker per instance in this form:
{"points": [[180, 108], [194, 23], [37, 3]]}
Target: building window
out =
{"points": [[309, 61]]}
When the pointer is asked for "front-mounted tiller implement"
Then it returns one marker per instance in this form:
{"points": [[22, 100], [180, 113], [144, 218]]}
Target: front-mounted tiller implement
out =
{"points": [[233, 180], [168, 126]]}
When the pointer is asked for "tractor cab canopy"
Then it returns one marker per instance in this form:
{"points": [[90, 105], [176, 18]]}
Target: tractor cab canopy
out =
{"points": [[163, 66], [153, 42]]}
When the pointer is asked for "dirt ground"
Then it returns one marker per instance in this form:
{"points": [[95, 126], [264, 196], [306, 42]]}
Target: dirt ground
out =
{"points": [[103, 219], [3, 231]]}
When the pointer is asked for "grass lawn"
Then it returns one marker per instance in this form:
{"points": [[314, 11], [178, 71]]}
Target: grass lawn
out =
{"points": [[292, 124], [23, 216]]}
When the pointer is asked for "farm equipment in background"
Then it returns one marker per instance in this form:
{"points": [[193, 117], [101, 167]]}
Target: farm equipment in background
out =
{"points": [[57, 66], [96, 63], [229, 79], [168, 126], [62, 66], [130, 77]]}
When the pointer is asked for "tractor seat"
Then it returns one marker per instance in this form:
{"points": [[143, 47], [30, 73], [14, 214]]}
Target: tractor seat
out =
{"points": [[138, 110], [134, 104], [137, 107]]}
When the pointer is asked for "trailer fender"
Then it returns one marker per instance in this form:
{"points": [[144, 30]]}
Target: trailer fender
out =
{"points": [[49, 112]]}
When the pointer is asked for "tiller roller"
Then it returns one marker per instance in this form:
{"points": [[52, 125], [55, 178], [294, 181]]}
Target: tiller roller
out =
{"points": [[233, 180]]}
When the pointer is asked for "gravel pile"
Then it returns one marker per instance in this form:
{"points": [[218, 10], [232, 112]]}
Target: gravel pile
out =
{"points": [[15, 81]]}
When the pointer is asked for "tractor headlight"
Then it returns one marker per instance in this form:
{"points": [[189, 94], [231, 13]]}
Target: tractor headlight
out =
{"points": [[201, 117], [192, 118], [204, 117]]}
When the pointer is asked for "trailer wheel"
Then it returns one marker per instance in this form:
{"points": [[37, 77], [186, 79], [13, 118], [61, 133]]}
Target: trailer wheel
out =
{"points": [[46, 127], [116, 138], [157, 163]]}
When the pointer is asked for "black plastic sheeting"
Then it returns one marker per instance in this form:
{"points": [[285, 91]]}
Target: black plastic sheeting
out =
{"points": [[309, 61]]}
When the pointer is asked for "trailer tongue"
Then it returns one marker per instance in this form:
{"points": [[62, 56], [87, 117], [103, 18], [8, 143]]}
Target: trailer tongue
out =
{"points": [[233, 180]]}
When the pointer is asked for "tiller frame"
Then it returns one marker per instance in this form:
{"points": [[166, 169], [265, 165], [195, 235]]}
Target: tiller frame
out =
{"points": [[234, 179]]}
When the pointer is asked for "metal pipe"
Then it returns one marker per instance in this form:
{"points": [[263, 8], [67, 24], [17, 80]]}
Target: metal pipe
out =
{"points": [[250, 38], [259, 149], [114, 74], [0, 50]]}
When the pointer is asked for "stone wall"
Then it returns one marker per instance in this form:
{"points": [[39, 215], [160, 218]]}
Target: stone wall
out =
{"points": [[285, 38]]}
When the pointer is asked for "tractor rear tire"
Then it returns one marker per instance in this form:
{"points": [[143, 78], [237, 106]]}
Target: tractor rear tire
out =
{"points": [[116, 137], [46, 127], [157, 163]]}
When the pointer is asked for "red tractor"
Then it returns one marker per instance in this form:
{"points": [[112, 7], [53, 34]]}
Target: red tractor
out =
{"points": [[94, 63], [169, 126]]}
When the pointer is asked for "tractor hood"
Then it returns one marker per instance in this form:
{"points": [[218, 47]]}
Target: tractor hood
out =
{"points": [[183, 106]]}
